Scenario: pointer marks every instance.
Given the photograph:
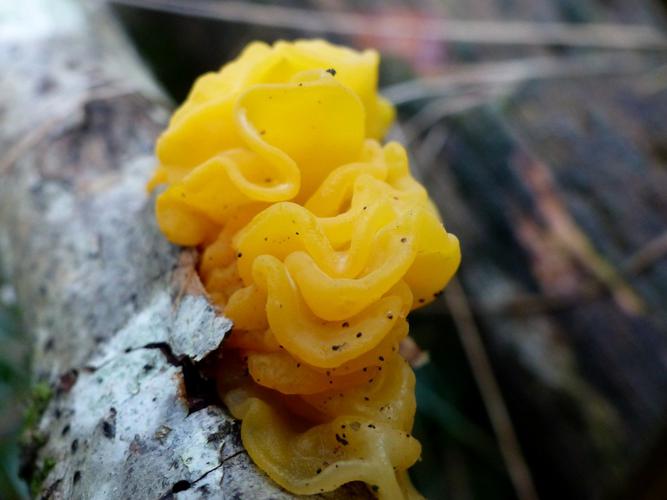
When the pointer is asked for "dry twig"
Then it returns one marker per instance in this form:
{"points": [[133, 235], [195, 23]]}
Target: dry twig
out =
{"points": [[609, 36]]}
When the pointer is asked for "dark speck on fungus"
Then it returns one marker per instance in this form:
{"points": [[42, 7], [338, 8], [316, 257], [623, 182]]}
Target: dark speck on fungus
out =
{"points": [[342, 440]]}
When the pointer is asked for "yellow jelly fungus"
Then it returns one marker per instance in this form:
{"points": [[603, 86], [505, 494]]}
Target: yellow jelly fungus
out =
{"points": [[316, 241]]}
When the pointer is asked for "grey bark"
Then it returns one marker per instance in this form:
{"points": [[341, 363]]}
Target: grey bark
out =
{"points": [[117, 315]]}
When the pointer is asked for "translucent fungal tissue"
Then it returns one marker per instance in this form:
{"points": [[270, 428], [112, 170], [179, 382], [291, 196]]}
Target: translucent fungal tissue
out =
{"points": [[316, 241]]}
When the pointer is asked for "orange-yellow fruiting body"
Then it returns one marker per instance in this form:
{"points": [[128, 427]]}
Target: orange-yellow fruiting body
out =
{"points": [[317, 242]]}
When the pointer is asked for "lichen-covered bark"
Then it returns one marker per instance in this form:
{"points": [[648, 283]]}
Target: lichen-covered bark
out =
{"points": [[117, 315]]}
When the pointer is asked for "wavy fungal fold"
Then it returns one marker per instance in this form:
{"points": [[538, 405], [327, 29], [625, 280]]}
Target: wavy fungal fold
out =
{"points": [[316, 241]]}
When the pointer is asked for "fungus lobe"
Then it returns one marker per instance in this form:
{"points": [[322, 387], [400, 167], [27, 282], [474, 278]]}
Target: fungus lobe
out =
{"points": [[316, 242]]}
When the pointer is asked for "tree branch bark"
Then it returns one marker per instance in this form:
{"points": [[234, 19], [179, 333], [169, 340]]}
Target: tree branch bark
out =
{"points": [[117, 315]]}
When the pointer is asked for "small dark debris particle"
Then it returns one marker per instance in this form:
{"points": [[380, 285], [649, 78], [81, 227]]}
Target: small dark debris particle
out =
{"points": [[318, 471], [370, 381], [74, 446], [180, 486], [330, 381], [108, 429], [359, 334], [371, 426], [298, 365], [390, 316], [336, 347], [365, 368], [262, 132], [404, 239], [67, 381], [438, 294], [342, 440], [375, 488], [331, 71], [77, 477], [148, 367], [163, 431], [381, 358], [342, 426], [297, 233], [65, 430], [421, 301], [239, 255], [266, 238], [345, 324], [366, 398], [365, 207]]}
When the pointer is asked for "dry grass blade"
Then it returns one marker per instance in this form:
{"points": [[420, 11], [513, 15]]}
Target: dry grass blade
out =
{"points": [[610, 36], [493, 400], [429, 116], [512, 72], [648, 255]]}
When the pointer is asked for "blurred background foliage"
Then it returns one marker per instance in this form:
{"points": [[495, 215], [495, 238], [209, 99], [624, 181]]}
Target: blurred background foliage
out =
{"points": [[14, 370], [457, 100]]}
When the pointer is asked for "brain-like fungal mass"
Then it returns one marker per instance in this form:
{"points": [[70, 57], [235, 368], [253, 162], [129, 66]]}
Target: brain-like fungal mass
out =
{"points": [[316, 241]]}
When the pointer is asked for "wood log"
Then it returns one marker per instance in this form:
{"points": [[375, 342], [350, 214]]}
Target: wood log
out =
{"points": [[117, 315], [559, 197], [557, 190]]}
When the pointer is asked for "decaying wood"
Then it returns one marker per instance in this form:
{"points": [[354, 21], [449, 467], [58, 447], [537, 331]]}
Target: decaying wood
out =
{"points": [[117, 315], [559, 199]]}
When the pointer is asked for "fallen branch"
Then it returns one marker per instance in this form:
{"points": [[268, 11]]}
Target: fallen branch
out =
{"points": [[117, 315]]}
